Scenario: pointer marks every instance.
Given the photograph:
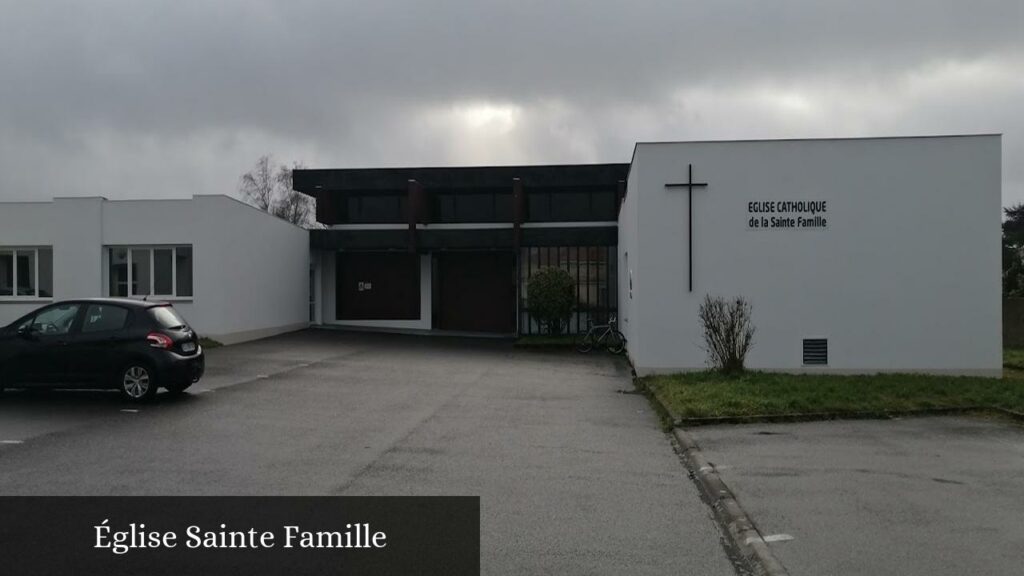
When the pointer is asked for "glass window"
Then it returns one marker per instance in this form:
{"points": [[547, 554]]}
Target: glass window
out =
{"points": [[140, 271], [119, 272], [103, 318], [6, 273], [158, 271], [55, 320], [183, 266], [26, 272], [163, 271], [474, 207], [26, 262], [569, 206], [46, 273]]}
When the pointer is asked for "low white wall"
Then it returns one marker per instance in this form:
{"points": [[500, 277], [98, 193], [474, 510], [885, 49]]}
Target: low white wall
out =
{"points": [[904, 277], [327, 305], [250, 269]]}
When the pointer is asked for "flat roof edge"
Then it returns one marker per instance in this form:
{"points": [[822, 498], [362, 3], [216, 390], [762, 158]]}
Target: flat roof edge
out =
{"points": [[823, 138]]}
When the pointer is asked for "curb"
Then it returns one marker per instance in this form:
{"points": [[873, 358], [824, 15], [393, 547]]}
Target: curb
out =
{"points": [[824, 416], [740, 530]]}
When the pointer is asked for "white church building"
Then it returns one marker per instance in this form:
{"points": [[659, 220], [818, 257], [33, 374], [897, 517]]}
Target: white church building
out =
{"points": [[857, 255]]}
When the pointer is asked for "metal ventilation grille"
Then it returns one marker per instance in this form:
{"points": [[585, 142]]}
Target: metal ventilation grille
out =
{"points": [[815, 352]]}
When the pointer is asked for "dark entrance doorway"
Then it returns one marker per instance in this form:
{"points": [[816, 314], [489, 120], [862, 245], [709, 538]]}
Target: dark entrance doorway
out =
{"points": [[377, 286], [476, 292]]}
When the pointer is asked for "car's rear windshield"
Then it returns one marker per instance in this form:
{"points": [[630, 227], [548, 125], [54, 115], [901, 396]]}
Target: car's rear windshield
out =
{"points": [[167, 317]]}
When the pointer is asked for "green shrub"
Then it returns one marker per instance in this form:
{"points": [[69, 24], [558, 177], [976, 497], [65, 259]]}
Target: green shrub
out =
{"points": [[551, 294]]}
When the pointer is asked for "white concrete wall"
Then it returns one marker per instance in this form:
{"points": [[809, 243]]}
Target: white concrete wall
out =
{"points": [[250, 270], [629, 260], [906, 276], [327, 305]]}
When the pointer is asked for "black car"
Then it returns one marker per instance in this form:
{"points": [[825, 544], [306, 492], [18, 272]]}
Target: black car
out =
{"points": [[131, 345]]}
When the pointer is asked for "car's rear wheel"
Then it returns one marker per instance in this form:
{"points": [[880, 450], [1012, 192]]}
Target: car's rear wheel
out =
{"points": [[138, 382]]}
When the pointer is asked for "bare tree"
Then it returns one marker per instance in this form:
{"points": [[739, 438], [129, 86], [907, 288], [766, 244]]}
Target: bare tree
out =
{"points": [[258, 185], [269, 187], [728, 332]]}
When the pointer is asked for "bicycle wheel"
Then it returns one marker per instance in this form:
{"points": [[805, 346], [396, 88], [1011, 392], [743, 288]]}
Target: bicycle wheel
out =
{"points": [[586, 343], [616, 342]]}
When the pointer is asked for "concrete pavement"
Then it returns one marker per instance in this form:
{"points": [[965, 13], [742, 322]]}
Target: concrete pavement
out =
{"points": [[574, 477], [920, 496]]}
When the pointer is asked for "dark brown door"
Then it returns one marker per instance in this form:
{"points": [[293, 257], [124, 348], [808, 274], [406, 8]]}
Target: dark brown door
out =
{"points": [[476, 292], [377, 286]]}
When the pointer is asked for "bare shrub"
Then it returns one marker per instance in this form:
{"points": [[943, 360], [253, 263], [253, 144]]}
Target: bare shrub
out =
{"points": [[728, 332]]}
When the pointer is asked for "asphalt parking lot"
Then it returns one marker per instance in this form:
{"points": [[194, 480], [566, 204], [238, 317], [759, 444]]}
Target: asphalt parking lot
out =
{"points": [[928, 496], [574, 477]]}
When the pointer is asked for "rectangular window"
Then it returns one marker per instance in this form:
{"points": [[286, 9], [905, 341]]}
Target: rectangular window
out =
{"points": [[162, 271], [26, 272]]}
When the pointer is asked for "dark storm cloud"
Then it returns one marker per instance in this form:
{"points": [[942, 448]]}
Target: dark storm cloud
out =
{"points": [[128, 98]]}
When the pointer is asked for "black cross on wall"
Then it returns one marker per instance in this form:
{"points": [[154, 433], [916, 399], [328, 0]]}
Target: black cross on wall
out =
{"points": [[689, 185]]}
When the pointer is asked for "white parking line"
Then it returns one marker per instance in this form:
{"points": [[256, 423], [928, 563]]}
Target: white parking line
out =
{"points": [[129, 410], [262, 376], [12, 441], [778, 538]]}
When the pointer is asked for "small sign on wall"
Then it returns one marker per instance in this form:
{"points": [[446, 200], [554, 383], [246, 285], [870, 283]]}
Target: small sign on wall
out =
{"points": [[363, 286], [787, 214]]}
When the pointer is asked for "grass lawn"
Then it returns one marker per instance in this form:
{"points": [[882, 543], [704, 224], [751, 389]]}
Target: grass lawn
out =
{"points": [[708, 394]]}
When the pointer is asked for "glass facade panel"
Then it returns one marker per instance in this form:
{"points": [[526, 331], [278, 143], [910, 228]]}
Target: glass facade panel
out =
{"points": [[538, 206], [569, 206]]}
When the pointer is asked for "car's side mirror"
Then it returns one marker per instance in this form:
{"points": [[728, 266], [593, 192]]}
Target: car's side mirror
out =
{"points": [[27, 331]]}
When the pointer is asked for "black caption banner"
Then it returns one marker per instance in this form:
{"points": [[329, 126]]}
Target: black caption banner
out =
{"points": [[350, 536]]}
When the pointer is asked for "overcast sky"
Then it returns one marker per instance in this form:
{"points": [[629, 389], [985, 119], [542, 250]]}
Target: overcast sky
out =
{"points": [[134, 98]]}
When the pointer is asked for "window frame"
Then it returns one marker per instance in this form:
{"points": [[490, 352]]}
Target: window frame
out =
{"points": [[151, 250], [14, 296]]}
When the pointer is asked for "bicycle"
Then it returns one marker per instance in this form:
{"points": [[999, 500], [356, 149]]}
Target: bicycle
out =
{"points": [[606, 335]]}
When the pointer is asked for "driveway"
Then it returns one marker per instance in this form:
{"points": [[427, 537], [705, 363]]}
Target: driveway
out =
{"points": [[920, 496], [574, 476]]}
